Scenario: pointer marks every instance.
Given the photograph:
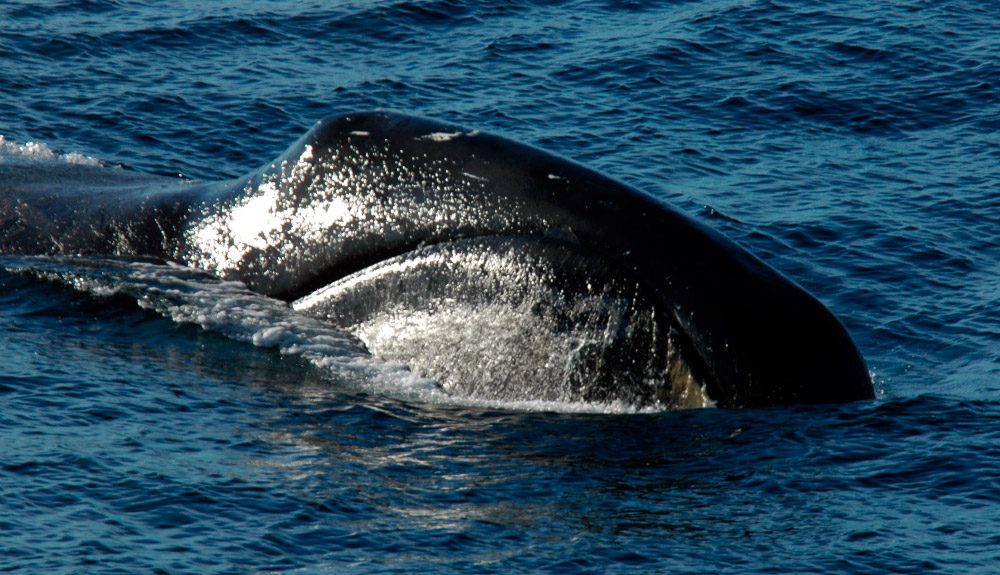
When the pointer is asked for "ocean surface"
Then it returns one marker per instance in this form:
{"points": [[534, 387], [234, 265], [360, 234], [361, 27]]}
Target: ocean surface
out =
{"points": [[854, 146]]}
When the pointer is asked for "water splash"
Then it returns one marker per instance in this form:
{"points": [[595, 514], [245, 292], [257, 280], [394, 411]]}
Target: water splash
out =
{"points": [[190, 296], [42, 152]]}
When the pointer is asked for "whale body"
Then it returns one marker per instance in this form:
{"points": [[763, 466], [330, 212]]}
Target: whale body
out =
{"points": [[493, 267]]}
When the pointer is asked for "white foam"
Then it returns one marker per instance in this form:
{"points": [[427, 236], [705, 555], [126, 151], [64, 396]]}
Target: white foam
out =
{"points": [[42, 152]]}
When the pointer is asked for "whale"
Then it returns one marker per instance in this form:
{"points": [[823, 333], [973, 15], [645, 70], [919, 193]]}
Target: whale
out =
{"points": [[490, 266]]}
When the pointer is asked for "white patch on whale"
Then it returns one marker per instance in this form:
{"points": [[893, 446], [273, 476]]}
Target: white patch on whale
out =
{"points": [[440, 136]]}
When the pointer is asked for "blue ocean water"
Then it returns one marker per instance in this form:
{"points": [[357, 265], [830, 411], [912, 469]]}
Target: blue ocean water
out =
{"points": [[854, 146]]}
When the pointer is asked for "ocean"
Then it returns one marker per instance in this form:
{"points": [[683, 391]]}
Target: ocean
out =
{"points": [[854, 146]]}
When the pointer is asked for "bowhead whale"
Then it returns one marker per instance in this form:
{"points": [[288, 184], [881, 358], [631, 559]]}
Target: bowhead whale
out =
{"points": [[489, 265]]}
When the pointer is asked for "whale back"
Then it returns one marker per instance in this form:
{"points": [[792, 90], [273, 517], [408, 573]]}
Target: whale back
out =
{"points": [[366, 188]]}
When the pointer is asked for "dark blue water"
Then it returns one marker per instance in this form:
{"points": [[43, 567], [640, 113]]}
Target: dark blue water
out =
{"points": [[853, 146]]}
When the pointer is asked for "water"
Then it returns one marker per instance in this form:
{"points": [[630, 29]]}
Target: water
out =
{"points": [[852, 146]]}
